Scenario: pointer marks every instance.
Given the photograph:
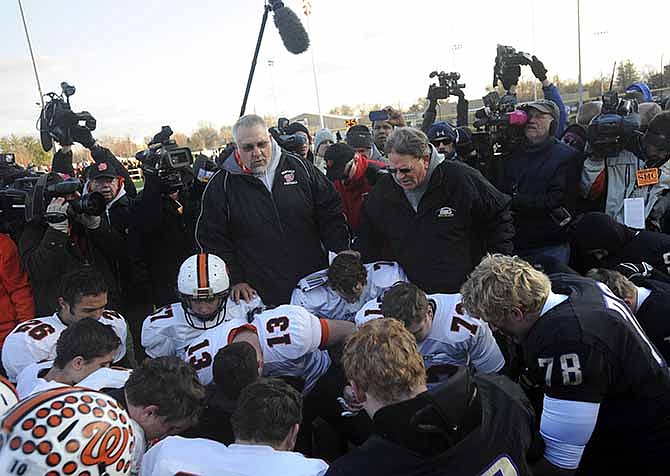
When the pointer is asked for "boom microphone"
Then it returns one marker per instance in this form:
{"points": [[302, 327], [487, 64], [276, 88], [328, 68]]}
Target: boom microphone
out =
{"points": [[290, 29]]}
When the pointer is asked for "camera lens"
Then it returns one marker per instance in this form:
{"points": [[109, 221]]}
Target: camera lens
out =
{"points": [[90, 204]]}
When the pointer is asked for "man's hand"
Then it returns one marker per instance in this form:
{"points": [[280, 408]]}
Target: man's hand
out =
{"points": [[538, 69], [244, 291], [82, 135], [58, 209]]}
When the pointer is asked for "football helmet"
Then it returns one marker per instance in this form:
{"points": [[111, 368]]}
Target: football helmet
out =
{"points": [[203, 287], [66, 431], [8, 395]]}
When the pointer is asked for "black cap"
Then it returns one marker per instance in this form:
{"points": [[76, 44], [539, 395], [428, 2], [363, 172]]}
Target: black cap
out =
{"points": [[101, 169], [359, 137], [336, 158]]}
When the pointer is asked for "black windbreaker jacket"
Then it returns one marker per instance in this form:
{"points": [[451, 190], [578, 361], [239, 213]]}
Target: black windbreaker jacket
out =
{"points": [[460, 218], [272, 240]]}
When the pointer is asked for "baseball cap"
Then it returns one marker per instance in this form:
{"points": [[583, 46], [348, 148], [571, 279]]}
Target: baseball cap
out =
{"points": [[101, 169], [442, 130], [544, 106], [336, 158], [359, 137]]}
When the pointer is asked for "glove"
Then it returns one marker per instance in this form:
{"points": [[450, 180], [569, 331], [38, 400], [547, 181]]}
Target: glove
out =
{"points": [[82, 135], [56, 214], [89, 221], [538, 69]]}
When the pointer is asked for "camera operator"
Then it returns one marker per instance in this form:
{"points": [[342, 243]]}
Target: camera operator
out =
{"points": [[67, 240], [626, 170], [541, 177], [162, 232]]}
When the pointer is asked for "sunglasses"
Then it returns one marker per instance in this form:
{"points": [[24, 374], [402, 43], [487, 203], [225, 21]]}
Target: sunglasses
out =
{"points": [[249, 147], [438, 142], [403, 171]]}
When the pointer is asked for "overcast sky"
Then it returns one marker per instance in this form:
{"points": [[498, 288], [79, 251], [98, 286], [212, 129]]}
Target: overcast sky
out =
{"points": [[139, 64]]}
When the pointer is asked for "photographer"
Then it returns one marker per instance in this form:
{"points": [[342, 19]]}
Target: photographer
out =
{"points": [[625, 170], [541, 177], [162, 232], [305, 149], [67, 241]]}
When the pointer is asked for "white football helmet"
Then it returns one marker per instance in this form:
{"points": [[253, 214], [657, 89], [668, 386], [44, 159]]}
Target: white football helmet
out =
{"points": [[66, 431], [8, 395], [203, 287]]}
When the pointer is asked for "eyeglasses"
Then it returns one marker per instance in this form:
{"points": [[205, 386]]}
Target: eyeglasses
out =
{"points": [[438, 142], [249, 147], [403, 171]]}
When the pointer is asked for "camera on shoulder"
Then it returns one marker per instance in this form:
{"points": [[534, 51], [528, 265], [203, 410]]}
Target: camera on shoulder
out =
{"points": [[171, 163], [57, 121]]}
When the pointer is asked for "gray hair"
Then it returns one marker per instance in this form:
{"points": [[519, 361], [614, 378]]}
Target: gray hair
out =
{"points": [[588, 111], [247, 122], [648, 111], [408, 141]]}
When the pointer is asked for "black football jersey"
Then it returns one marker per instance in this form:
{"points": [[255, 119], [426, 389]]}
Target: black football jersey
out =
{"points": [[590, 348], [650, 247], [654, 313]]}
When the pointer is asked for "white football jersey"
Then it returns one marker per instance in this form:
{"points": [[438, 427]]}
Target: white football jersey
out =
{"points": [[177, 455], [35, 341], [290, 339], [455, 337], [314, 294], [32, 379], [167, 332]]}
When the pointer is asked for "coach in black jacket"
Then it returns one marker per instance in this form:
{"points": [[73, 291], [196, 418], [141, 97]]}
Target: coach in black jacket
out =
{"points": [[436, 218], [270, 215]]}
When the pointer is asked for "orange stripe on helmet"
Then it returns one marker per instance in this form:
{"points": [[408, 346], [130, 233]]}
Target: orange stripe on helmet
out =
{"points": [[203, 276]]}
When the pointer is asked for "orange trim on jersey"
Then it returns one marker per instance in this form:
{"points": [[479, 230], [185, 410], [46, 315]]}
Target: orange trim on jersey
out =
{"points": [[325, 334], [203, 282], [234, 332], [28, 405]]}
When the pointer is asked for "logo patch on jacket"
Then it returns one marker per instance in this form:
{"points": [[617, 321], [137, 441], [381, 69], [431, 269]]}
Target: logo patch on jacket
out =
{"points": [[445, 212], [289, 177]]}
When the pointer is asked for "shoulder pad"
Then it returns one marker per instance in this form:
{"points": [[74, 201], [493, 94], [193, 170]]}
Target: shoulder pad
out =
{"points": [[313, 281]]}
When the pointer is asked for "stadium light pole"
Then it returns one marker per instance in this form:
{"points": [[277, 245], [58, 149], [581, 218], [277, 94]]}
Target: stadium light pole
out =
{"points": [[579, 56], [307, 9]]}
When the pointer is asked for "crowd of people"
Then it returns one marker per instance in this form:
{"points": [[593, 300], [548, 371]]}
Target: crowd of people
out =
{"points": [[374, 305]]}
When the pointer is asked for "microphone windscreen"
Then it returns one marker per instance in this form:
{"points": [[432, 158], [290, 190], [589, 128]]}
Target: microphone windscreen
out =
{"points": [[292, 32]]}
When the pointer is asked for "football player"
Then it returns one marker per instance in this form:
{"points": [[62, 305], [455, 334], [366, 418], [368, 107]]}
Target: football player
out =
{"points": [[606, 406], [288, 340], [265, 423], [204, 290], [82, 348], [66, 431], [163, 397], [341, 290], [470, 425], [444, 333], [83, 296], [647, 293]]}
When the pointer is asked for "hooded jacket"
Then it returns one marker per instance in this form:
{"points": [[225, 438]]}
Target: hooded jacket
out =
{"points": [[271, 239], [459, 218], [499, 434], [354, 190]]}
